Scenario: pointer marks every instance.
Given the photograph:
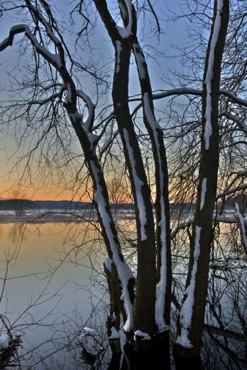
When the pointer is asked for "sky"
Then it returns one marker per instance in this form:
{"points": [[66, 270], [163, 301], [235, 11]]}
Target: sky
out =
{"points": [[9, 174]]}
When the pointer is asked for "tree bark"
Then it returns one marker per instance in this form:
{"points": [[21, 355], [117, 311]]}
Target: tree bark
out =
{"points": [[144, 306], [146, 266], [162, 208], [191, 321]]}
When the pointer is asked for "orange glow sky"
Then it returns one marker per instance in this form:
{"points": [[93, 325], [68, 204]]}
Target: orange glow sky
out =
{"points": [[7, 148], [9, 184]]}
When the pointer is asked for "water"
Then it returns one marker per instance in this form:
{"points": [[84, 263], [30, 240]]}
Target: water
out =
{"points": [[52, 285], [48, 287]]}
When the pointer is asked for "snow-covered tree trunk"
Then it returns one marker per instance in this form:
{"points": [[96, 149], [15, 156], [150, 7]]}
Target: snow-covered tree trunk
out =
{"points": [[144, 307], [191, 321], [146, 265], [152, 305], [163, 289]]}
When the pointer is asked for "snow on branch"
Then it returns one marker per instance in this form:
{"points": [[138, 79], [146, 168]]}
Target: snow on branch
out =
{"points": [[240, 173], [231, 191], [90, 106], [234, 98], [243, 226], [126, 10], [15, 30], [210, 74], [181, 226], [138, 185], [54, 59], [195, 92], [188, 304], [239, 122], [124, 272]]}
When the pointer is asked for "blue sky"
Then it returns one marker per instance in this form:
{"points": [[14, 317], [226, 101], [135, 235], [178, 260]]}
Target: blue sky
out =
{"points": [[158, 66]]}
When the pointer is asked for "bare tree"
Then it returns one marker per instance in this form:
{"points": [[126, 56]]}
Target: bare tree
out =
{"points": [[190, 170], [191, 321]]}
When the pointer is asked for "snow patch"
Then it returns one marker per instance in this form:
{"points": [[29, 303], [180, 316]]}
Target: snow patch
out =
{"points": [[138, 185], [148, 113], [125, 32], [108, 264], [141, 335], [243, 226], [114, 333], [124, 272], [183, 339], [188, 304], [209, 75], [118, 53], [89, 331], [203, 193], [4, 341], [90, 106], [140, 60], [161, 286]]}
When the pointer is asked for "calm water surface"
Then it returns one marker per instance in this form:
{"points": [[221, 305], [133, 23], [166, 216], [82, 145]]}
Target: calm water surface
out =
{"points": [[48, 288], [52, 282]]}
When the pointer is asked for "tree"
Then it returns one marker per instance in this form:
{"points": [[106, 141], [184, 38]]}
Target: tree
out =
{"points": [[143, 301], [191, 321]]}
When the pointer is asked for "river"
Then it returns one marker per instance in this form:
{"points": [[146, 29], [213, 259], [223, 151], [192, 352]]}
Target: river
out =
{"points": [[52, 286], [51, 282]]}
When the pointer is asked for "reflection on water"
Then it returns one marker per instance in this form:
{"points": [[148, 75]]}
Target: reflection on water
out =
{"points": [[47, 278], [52, 281], [40, 252]]}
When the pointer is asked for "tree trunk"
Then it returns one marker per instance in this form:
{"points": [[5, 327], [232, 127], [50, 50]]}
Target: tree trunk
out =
{"points": [[162, 209], [190, 325], [146, 266], [144, 306]]}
